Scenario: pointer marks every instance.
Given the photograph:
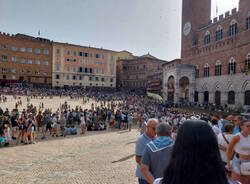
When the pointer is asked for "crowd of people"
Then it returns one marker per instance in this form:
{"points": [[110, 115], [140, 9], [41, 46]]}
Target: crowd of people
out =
{"points": [[194, 149], [174, 147]]}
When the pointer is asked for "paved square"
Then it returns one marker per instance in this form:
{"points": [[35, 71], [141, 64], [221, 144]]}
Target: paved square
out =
{"points": [[104, 157]]}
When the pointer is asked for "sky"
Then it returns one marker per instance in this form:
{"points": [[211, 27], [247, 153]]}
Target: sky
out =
{"points": [[138, 26]]}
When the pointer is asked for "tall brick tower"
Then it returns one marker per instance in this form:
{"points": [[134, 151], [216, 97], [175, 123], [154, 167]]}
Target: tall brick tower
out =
{"points": [[194, 14]]}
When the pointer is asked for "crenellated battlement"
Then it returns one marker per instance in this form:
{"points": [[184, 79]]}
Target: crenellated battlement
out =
{"points": [[18, 35], [221, 18]]}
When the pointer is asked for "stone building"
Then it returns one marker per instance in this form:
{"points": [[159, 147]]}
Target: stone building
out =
{"points": [[82, 66], [132, 74], [215, 56], [154, 82], [25, 59]]}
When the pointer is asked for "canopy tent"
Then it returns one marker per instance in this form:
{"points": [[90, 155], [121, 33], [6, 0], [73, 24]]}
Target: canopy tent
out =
{"points": [[155, 96]]}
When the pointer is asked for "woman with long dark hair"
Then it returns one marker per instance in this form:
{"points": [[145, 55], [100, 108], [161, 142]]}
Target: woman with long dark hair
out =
{"points": [[195, 158]]}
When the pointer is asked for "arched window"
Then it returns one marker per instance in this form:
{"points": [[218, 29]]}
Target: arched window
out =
{"points": [[247, 63], [248, 21], [218, 68], [232, 66], [207, 38], [219, 33], [247, 98], [197, 72], [233, 28], [206, 70], [231, 97]]}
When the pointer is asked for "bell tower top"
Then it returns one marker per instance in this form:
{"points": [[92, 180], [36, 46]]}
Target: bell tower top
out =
{"points": [[194, 14]]}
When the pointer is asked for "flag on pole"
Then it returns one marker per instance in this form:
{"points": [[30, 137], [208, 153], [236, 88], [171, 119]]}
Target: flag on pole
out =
{"points": [[39, 32]]}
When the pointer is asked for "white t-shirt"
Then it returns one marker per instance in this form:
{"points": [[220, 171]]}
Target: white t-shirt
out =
{"points": [[222, 142], [82, 120], [216, 130]]}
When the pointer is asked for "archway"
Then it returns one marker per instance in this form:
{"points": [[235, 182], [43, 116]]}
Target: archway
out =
{"points": [[196, 96], [247, 98], [184, 88], [217, 98], [171, 88], [206, 96]]}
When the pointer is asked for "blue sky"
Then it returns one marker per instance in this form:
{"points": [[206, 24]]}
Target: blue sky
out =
{"points": [[139, 26]]}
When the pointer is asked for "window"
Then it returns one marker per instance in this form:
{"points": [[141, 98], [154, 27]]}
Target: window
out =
{"points": [[57, 51], [232, 66], [112, 58], [13, 70], [22, 49], [45, 73], [102, 79], [207, 38], [96, 71], [46, 63], [74, 53], [247, 63], [74, 77], [86, 54], [102, 56], [248, 22], [111, 80], [14, 48], [37, 73], [80, 54], [57, 76], [86, 61], [67, 68], [217, 68], [22, 61], [90, 55], [90, 78], [97, 79], [231, 97], [68, 52], [74, 60], [197, 72], [219, 33], [68, 60], [37, 51], [74, 68], [29, 61], [247, 98], [4, 46], [90, 70], [57, 67], [4, 57], [46, 52], [29, 50], [67, 77], [14, 59], [102, 71], [86, 70], [97, 56], [206, 70], [37, 62], [80, 77], [233, 29]]}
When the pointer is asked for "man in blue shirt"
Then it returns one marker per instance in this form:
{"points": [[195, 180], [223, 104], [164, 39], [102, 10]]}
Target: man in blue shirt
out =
{"points": [[157, 153], [141, 143]]}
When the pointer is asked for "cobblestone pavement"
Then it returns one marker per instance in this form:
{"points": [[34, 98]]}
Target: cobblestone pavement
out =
{"points": [[105, 158]]}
